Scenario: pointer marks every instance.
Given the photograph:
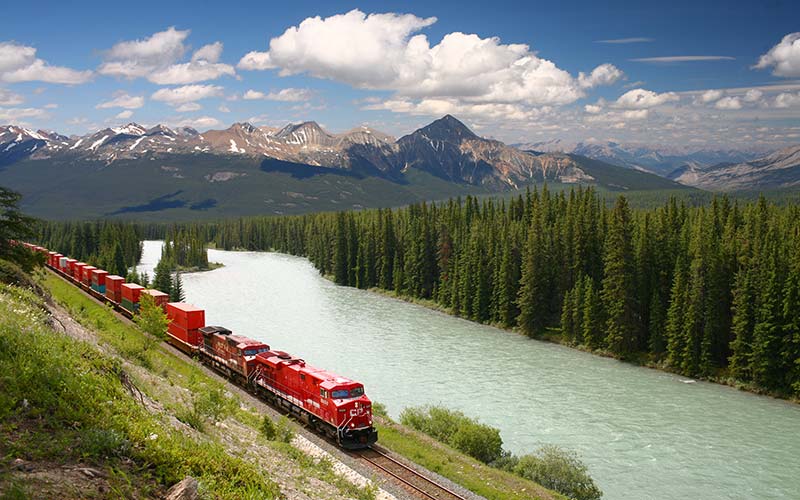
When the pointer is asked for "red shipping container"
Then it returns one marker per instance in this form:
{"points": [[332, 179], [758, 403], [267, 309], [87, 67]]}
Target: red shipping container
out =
{"points": [[190, 336], [50, 257], [114, 287], [186, 315], [99, 277], [77, 270], [57, 260], [131, 291], [86, 276], [159, 297]]}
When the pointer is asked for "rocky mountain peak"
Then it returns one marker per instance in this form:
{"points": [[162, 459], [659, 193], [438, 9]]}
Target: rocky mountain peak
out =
{"points": [[447, 129]]}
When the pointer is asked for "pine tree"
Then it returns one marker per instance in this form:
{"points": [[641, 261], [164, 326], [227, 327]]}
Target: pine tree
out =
{"points": [[618, 283], [340, 260], [162, 279], [535, 290], [176, 293]]}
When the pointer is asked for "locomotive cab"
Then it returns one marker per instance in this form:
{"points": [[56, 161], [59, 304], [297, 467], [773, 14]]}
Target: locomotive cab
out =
{"points": [[353, 412]]}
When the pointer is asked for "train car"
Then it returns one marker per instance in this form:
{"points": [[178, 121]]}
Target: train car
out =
{"points": [[77, 271], [99, 281], [232, 355], [160, 298], [334, 405], [185, 321], [86, 275], [114, 288], [130, 296]]}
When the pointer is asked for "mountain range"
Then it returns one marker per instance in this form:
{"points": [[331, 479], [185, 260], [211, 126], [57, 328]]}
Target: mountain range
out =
{"points": [[661, 160], [140, 172]]}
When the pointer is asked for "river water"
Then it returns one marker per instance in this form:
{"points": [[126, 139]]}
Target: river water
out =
{"points": [[644, 434]]}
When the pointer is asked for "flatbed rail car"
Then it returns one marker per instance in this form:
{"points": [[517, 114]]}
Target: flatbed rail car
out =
{"points": [[333, 405]]}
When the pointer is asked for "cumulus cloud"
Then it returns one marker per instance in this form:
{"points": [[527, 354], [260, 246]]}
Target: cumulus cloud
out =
{"points": [[593, 109], [753, 95], [787, 100], [188, 93], [783, 58], [156, 58], [223, 109], [124, 115], [728, 103], [8, 98], [122, 100], [18, 63], [438, 107], [642, 99], [711, 96], [605, 74], [283, 95], [387, 52]]}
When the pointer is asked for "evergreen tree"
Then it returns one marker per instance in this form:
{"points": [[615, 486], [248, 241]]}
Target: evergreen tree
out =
{"points": [[176, 293], [618, 283]]}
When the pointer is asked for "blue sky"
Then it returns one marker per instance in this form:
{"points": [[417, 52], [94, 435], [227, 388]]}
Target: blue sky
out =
{"points": [[687, 74]]}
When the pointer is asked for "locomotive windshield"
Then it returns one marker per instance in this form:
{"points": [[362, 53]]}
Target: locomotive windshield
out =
{"points": [[345, 394], [253, 352]]}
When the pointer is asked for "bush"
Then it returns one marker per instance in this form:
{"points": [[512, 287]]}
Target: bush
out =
{"points": [[560, 470], [452, 427], [104, 443], [268, 428]]}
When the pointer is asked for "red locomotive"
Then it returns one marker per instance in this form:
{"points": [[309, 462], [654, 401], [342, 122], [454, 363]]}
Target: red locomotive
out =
{"points": [[336, 406]]}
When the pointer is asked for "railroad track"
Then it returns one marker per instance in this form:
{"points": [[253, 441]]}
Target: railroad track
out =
{"points": [[419, 484]]}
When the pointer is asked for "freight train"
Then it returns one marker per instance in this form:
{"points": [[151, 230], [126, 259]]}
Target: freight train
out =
{"points": [[335, 406]]}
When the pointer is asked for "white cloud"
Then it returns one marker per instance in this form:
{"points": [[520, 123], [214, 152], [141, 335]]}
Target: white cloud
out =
{"points": [[787, 100], [386, 52], [191, 72], [642, 99], [636, 114], [188, 107], [728, 103], [711, 96], [202, 122], [209, 53], [438, 107], [14, 115], [18, 63], [8, 98], [605, 74], [138, 58], [753, 95], [784, 58], [284, 95], [593, 109], [224, 109], [52, 105], [255, 60], [122, 100], [156, 58], [124, 115], [187, 93]]}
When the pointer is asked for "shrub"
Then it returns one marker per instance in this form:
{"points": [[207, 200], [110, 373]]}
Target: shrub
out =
{"points": [[104, 443], [560, 470], [452, 427], [268, 428]]}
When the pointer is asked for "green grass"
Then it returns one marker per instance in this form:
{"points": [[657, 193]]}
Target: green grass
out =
{"points": [[482, 479], [63, 400]]}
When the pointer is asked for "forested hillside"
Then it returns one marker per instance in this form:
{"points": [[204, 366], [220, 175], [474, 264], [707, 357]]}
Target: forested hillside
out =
{"points": [[712, 291]]}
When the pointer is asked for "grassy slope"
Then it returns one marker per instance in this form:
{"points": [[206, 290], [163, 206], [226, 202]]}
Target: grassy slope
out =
{"points": [[75, 410]]}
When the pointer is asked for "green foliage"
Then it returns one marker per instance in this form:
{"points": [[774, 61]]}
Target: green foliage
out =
{"points": [[557, 469], [452, 427], [176, 293], [112, 246], [14, 225], [268, 428], [152, 320]]}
